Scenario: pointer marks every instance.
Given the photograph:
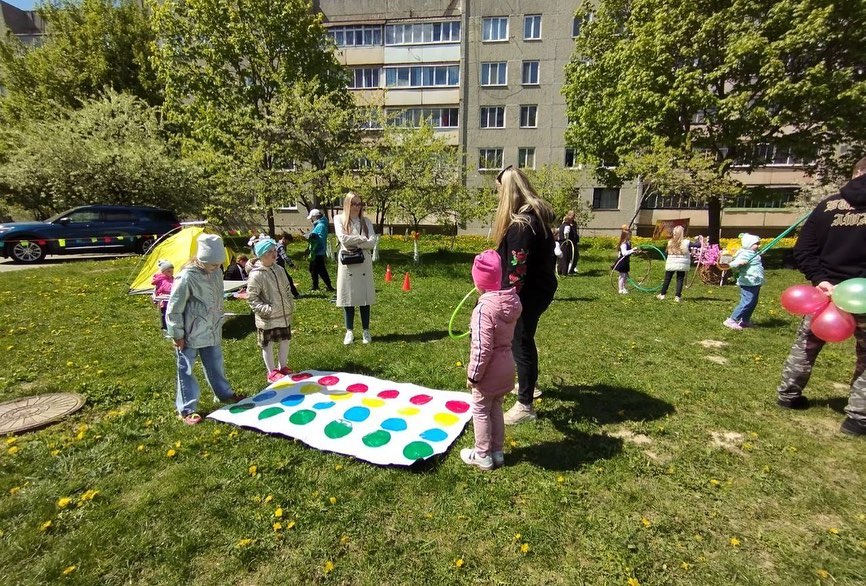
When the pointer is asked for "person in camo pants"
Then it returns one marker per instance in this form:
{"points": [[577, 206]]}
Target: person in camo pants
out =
{"points": [[831, 248]]}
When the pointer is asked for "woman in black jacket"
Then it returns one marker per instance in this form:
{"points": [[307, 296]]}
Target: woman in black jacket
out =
{"points": [[523, 234]]}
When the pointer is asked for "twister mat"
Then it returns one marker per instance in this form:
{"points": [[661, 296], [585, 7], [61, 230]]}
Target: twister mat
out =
{"points": [[379, 421]]}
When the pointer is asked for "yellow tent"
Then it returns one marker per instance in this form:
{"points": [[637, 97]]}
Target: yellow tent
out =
{"points": [[178, 248]]}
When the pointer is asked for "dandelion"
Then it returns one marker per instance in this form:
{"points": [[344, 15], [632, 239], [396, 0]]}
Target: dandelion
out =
{"points": [[685, 565], [14, 490], [290, 524], [458, 364], [11, 440], [560, 479], [70, 363], [822, 573], [517, 537], [833, 530], [734, 542], [714, 482], [244, 542], [344, 539], [333, 500], [459, 563], [12, 451], [170, 453], [512, 443], [277, 526], [633, 582], [329, 567], [62, 503], [45, 526], [268, 499], [253, 470], [338, 467], [55, 452], [524, 548], [88, 495], [177, 444], [645, 522], [140, 447], [278, 513], [68, 570]]}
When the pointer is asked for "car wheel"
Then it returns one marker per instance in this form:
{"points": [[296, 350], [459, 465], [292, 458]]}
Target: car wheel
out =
{"points": [[145, 243], [25, 251]]}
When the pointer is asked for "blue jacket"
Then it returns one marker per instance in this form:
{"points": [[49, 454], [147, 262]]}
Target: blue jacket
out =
{"points": [[320, 234], [752, 270]]}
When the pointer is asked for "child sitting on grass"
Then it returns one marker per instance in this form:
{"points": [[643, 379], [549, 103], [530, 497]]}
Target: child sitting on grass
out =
{"points": [[162, 282], [750, 280], [271, 300], [490, 372]]}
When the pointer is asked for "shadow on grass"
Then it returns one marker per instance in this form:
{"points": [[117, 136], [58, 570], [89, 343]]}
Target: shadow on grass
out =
{"points": [[605, 404], [237, 327], [773, 322], [837, 404], [575, 450], [415, 337], [589, 273]]}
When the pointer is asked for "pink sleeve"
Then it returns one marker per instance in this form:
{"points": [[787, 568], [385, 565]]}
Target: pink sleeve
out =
{"points": [[481, 328]]}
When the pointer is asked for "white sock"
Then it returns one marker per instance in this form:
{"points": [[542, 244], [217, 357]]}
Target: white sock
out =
{"points": [[268, 357], [621, 282], [284, 353]]}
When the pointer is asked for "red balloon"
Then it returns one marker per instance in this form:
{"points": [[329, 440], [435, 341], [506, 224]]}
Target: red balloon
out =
{"points": [[833, 324], [804, 299]]}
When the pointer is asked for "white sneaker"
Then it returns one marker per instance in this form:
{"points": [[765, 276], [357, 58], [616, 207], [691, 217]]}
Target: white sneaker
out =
{"points": [[660, 297], [519, 413], [349, 337], [498, 459], [536, 392], [729, 323], [677, 299], [469, 456], [623, 291], [367, 338]]}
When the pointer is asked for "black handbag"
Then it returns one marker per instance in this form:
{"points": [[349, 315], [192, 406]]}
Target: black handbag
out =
{"points": [[351, 257]]}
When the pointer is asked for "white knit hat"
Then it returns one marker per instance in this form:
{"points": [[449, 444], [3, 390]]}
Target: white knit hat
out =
{"points": [[749, 240], [164, 265], [314, 213], [211, 249]]}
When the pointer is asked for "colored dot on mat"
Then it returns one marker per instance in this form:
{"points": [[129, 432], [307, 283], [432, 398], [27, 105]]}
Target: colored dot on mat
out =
{"points": [[418, 451], [324, 405], [420, 399], [302, 416], [292, 400], [408, 411], [282, 383], [328, 381], [434, 435], [338, 429], [341, 396], [394, 424], [299, 376], [389, 394], [265, 396], [457, 406], [240, 408], [376, 439], [309, 388], [356, 414], [357, 388], [445, 418], [372, 402], [270, 412]]}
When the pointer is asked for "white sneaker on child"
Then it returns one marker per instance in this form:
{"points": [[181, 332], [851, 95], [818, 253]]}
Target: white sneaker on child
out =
{"points": [[729, 323], [469, 456], [660, 297]]}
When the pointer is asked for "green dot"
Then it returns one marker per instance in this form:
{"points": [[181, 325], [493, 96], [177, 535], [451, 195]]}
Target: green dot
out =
{"points": [[338, 429], [417, 451], [270, 412], [377, 439], [241, 408], [302, 417]]}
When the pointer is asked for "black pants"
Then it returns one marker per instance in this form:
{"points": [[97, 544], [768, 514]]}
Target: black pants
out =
{"points": [[317, 269], [681, 276], [523, 346]]}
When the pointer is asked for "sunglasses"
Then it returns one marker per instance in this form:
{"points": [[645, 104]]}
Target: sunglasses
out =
{"points": [[357, 204], [501, 173]]}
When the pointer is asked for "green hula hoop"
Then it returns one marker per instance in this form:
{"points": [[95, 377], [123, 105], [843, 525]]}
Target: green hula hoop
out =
{"points": [[637, 285], [453, 315]]}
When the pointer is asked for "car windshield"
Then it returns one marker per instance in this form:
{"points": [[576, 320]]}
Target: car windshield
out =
{"points": [[58, 216]]}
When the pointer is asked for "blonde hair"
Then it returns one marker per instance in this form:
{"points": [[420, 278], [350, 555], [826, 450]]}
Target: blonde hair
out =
{"points": [[516, 199], [675, 244], [624, 234], [347, 215]]}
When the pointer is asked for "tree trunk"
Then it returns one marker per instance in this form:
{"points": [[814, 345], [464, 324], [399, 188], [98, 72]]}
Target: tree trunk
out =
{"points": [[714, 219], [271, 225]]}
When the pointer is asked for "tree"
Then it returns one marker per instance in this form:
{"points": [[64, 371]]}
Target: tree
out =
{"points": [[725, 77], [557, 185], [225, 63], [110, 151], [91, 46]]}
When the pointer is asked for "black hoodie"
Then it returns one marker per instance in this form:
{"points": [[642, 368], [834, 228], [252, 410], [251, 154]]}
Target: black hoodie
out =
{"points": [[832, 243]]}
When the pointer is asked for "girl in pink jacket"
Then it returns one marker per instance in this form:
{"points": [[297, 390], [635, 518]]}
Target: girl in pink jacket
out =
{"points": [[162, 282], [490, 372]]}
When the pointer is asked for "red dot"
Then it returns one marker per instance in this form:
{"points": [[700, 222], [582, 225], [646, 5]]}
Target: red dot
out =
{"points": [[389, 394], [327, 381], [301, 376], [357, 388], [420, 399], [457, 406]]}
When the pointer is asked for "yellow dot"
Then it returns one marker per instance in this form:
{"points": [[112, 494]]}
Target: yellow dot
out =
{"points": [[309, 388], [408, 411], [372, 401], [445, 418], [339, 396]]}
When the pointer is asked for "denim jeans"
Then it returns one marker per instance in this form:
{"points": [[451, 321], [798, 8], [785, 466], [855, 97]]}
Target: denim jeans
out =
{"points": [[187, 385], [748, 301]]}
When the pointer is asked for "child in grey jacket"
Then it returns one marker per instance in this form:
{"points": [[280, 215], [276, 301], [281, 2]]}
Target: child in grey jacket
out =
{"points": [[271, 300], [750, 280]]}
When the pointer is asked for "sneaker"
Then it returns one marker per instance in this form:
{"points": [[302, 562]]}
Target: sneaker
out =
{"points": [[498, 459], [349, 337], [366, 337], [274, 376], [623, 291], [519, 413], [678, 299], [233, 398], [285, 371], [536, 392], [190, 418], [729, 323], [469, 456], [660, 297], [798, 402], [853, 427]]}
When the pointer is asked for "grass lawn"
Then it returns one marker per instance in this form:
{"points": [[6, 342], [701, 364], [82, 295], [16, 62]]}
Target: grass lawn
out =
{"points": [[659, 455]]}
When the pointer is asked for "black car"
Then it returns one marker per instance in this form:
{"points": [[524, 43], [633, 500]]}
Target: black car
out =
{"points": [[94, 228]]}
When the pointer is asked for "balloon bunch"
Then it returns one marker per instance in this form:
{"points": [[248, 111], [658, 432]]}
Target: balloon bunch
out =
{"points": [[831, 319]]}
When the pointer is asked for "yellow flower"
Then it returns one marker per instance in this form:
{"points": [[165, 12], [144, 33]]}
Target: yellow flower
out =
{"points": [[685, 565], [45, 526], [278, 512], [290, 524], [714, 482], [633, 582], [332, 500], [12, 451], [822, 573], [88, 495], [459, 563], [14, 490], [517, 537], [55, 452], [329, 567], [645, 522], [524, 548], [70, 363], [170, 453], [560, 479], [458, 363], [177, 444], [68, 570], [833, 530], [277, 526], [253, 470], [734, 542], [268, 499], [63, 502], [11, 440], [140, 447], [244, 542], [344, 539], [338, 467]]}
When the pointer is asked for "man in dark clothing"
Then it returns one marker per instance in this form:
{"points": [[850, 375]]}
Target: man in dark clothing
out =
{"points": [[237, 271], [831, 248]]}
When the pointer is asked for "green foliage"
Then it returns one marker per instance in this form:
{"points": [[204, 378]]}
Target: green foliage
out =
{"points": [[557, 185], [109, 151]]}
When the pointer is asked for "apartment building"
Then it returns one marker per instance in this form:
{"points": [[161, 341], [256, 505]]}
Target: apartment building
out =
{"points": [[26, 25]]}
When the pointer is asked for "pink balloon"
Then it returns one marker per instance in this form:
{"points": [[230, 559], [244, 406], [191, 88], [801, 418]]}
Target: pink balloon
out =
{"points": [[833, 324], [804, 299]]}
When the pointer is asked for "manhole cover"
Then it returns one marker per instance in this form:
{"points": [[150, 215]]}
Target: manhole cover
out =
{"points": [[31, 412]]}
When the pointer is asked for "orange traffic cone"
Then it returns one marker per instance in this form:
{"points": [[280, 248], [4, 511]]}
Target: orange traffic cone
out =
{"points": [[388, 277], [406, 285]]}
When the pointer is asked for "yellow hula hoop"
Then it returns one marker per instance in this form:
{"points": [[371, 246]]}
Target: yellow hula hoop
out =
{"points": [[453, 315]]}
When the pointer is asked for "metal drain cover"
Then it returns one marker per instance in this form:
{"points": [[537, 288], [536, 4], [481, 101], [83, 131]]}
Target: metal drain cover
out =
{"points": [[32, 412]]}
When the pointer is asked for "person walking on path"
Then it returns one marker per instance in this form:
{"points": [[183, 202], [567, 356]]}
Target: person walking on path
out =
{"points": [[318, 246], [355, 267]]}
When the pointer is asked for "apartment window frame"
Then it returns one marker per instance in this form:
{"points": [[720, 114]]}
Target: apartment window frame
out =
{"points": [[526, 157], [602, 196], [492, 29], [423, 33], [498, 114], [578, 22], [501, 68], [370, 77], [362, 35], [444, 117], [570, 159], [490, 158], [526, 72], [528, 116], [422, 76], [532, 22]]}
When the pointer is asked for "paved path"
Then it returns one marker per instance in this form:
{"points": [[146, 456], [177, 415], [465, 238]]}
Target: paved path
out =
{"points": [[6, 265]]}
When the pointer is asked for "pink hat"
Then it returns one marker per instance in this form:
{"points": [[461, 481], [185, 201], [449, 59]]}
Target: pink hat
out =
{"points": [[487, 271]]}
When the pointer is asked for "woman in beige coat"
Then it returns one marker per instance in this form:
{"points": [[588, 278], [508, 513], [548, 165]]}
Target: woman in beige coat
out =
{"points": [[355, 281]]}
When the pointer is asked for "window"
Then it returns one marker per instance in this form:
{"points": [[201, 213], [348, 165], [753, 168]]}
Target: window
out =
{"points": [[494, 73], [489, 159], [578, 22], [495, 29], [423, 76], [571, 159], [528, 116], [435, 117], [529, 75], [422, 33], [371, 118], [365, 77], [605, 198], [493, 117], [532, 27], [526, 158], [83, 216], [356, 36]]}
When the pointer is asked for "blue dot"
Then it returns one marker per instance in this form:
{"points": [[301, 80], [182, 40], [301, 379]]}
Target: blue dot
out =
{"points": [[324, 405], [434, 435], [292, 400], [265, 396], [394, 424], [357, 414]]}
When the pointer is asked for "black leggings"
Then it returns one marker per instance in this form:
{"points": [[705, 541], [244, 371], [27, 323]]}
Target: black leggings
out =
{"points": [[349, 314], [317, 269], [523, 346], [681, 276]]}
